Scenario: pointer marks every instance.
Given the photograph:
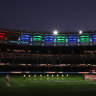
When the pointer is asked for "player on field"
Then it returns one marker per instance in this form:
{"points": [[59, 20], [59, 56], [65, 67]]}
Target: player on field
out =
{"points": [[40, 75], [7, 78], [24, 76], [35, 75], [47, 75], [52, 75], [62, 75], [29, 76], [67, 75], [57, 75]]}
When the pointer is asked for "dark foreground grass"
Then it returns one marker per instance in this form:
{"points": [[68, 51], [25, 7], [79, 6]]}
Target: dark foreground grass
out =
{"points": [[73, 85]]}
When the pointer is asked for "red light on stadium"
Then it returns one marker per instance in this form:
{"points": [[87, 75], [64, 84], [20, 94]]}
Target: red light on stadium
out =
{"points": [[2, 34], [2, 37]]}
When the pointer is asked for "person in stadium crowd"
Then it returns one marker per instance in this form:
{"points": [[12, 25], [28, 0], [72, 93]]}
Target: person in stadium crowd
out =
{"points": [[7, 79]]}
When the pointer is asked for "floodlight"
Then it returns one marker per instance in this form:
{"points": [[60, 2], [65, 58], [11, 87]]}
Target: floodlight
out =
{"points": [[80, 32], [55, 32]]}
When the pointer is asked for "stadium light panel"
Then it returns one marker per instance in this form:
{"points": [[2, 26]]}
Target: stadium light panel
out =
{"points": [[2, 35], [72, 38], [38, 38], [61, 38], [84, 38], [93, 38], [49, 39], [25, 38]]}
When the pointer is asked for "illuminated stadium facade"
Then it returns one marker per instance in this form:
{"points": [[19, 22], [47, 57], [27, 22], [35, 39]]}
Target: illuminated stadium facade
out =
{"points": [[48, 38], [47, 52]]}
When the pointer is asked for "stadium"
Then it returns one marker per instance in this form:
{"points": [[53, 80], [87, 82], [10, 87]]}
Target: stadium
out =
{"points": [[63, 62]]}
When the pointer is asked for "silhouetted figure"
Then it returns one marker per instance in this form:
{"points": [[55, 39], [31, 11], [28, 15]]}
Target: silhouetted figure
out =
{"points": [[7, 78]]}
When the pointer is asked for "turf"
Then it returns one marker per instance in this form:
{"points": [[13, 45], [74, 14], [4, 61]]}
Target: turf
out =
{"points": [[73, 85]]}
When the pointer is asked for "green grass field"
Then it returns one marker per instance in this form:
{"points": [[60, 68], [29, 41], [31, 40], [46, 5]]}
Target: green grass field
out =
{"points": [[73, 85]]}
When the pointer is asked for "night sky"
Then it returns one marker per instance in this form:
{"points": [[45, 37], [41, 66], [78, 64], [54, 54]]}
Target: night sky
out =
{"points": [[48, 15]]}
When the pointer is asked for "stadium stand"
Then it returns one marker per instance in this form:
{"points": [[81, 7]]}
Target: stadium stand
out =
{"points": [[46, 52]]}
